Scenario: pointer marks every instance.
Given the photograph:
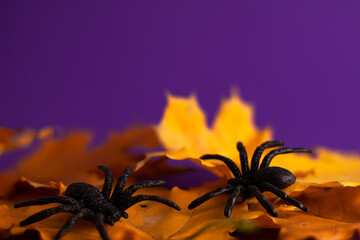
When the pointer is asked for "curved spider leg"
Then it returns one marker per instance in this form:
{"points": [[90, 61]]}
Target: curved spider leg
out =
{"points": [[231, 165], [267, 159], [263, 201], [243, 159], [269, 187], [46, 200], [209, 195], [47, 213], [99, 221], [72, 220], [140, 198], [108, 181], [259, 151], [231, 201], [120, 184], [147, 183]]}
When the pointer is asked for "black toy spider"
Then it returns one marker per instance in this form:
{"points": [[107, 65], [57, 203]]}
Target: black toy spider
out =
{"points": [[255, 181], [86, 201]]}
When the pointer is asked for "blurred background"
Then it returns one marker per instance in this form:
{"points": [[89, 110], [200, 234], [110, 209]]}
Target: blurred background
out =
{"points": [[104, 66]]}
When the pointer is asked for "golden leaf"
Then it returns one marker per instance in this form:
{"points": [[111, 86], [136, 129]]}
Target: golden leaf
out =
{"points": [[184, 133]]}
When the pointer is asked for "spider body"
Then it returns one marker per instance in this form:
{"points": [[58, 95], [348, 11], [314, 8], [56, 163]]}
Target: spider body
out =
{"points": [[86, 201], [92, 198], [252, 182], [277, 176]]}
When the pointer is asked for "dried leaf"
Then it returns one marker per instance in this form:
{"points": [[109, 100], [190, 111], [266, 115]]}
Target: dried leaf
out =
{"points": [[336, 219], [11, 139], [7, 181], [184, 133], [70, 160], [47, 229]]}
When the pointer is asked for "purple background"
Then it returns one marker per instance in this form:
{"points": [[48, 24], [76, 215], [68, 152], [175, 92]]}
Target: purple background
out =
{"points": [[104, 66]]}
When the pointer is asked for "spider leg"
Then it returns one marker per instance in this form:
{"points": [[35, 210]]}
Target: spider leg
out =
{"points": [[267, 159], [263, 201], [120, 184], [99, 221], [47, 213], [209, 195], [108, 182], [139, 198], [243, 159], [72, 220], [46, 200], [283, 195], [124, 214], [231, 201], [229, 163], [133, 188], [259, 151]]}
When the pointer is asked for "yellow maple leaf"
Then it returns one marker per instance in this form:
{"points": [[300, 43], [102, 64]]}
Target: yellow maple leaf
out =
{"points": [[184, 133]]}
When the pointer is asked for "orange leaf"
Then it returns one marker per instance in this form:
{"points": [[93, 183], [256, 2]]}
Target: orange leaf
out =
{"points": [[70, 159], [47, 229], [11, 139], [151, 220]]}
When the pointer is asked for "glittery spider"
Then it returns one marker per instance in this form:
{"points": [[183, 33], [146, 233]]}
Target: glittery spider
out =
{"points": [[86, 201], [255, 181]]}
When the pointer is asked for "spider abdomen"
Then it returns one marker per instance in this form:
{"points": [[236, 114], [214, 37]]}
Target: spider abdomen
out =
{"points": [[277, 176], [87, 194]]}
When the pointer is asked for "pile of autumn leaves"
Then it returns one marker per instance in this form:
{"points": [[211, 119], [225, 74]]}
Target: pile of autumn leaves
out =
{"points": [[327, 182]]}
